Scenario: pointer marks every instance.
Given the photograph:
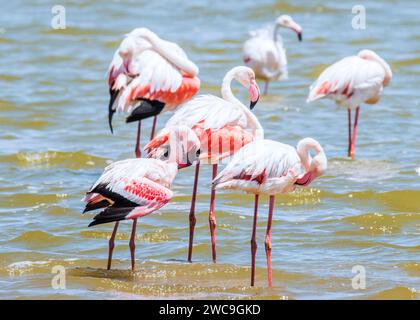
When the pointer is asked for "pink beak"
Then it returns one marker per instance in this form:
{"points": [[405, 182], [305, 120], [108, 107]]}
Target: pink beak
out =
{"points": [[254, 93]]}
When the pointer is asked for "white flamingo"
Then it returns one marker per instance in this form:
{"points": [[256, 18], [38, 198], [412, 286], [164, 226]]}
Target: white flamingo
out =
{"points": [[264, 51], [270, 167], [223, 126], [134, 188], [147, 76], [352, 81]]}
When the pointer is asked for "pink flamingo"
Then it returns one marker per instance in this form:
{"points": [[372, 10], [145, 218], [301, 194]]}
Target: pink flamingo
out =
{"points": [[351, 81], [270, 167], [264, 51], [134, 188], [223, 126], [147, 76]]}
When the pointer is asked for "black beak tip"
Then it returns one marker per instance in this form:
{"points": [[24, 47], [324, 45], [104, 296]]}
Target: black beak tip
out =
{"points": [[252, 104], [300, 36]]}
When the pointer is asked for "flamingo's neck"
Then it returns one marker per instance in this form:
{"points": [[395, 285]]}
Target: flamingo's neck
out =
{"points": [[318, 164], [227, 95], [168, 53]]}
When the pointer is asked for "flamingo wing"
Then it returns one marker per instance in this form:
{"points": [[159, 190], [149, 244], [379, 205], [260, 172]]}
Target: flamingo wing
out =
{"points": [[157, 79], [213, 112], [259, 163], [127, 190], [351, 77]]}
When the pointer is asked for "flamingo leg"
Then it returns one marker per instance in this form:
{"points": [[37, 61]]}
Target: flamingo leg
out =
{"points": [[266, 87], [137, 150], [152, 133], [192, 212], [254, 241], [349, 120], [133, 245], [212, 217], [268, 242], [111, 244], [353, 139]]}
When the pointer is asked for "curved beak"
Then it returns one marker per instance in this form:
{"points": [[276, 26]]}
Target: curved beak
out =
{"points": [[254, 94], [296, 28], [307, 178], [184, 165]]}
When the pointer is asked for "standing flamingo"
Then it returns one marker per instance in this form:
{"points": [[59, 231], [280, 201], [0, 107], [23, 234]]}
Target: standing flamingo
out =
{"points": [[264, 51], [223, 126], [270, 167], [134, 188], [351, 81], [147, 76]]}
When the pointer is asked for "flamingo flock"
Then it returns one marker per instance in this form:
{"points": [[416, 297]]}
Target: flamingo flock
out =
{"points": [[149, 75]]}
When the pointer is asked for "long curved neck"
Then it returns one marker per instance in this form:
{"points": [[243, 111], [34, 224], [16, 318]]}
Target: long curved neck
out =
{"points": [[182, 63], [227, 95], [276, 32], [303, 149]]}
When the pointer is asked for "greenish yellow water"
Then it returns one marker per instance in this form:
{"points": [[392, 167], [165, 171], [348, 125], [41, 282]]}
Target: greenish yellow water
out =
{"points": [[54, 142]]}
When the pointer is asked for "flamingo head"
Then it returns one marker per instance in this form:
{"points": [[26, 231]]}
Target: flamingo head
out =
{"points": [[286, 21], [246, 77], [177, 144], [314, 167], [373, 56]]}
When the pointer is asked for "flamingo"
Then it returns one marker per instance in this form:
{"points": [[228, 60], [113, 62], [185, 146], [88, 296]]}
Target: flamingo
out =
{"points": [[264, 51], [134, 188], [352, 81], [223, 126], [147, 76], [270, 167]]}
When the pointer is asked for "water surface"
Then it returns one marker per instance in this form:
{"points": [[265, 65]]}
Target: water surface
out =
{"points": [[54, 143]]}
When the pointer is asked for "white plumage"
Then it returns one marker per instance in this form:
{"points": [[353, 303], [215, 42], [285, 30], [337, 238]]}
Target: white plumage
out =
{"points": [[265, 166], [352, 80], [214, 111]]}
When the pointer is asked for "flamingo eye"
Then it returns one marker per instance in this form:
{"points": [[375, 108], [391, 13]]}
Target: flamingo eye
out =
{"points": [[197, 154]]}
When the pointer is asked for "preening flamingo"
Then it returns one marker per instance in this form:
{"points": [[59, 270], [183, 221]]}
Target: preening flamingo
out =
{"points": [[264, 51], [223, 126], [352, 81], [270, 167], [134, 188], [147, 76]]}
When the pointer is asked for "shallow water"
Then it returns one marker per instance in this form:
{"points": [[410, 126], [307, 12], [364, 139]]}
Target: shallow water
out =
{"points": [[54, 143]]}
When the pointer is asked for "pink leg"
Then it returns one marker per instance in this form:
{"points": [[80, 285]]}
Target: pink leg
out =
{"points": [[112, 244], [349, 120], [254, 241], [137, 150], [133, 245], [192, 212], [212, 217], [268, 242], [152, 133], [353, 140]]}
